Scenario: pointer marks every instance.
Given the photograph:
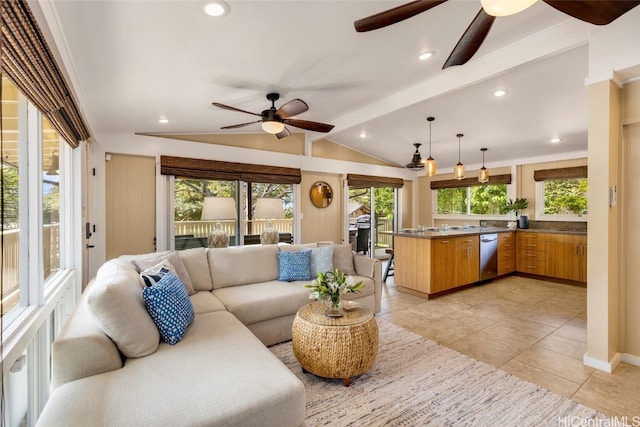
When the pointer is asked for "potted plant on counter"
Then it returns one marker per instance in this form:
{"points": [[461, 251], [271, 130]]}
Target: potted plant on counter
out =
{"points": [[515, 206]]}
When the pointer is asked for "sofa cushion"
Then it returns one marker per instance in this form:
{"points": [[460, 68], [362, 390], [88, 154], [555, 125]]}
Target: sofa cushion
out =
{"points": [[294, 265], [242, 265], [206, 302], [343, 259], [170, 307], [321, 260], [263, 301], [196, 262], [219, 375], [117, 305], [145, 263]]}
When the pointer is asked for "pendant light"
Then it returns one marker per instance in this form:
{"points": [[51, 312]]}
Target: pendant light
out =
{"points": [[483, 175], [458, 170], [416, 163], [431, 163]]}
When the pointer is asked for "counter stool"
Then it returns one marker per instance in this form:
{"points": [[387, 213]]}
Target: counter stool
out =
{"points": [[389, 266]]}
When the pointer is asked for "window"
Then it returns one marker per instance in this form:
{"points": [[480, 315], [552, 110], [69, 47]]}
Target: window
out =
{"points": [[564, 191], [192, 230], [564, 197], [473, 200], [31, 150], [10, 197]]}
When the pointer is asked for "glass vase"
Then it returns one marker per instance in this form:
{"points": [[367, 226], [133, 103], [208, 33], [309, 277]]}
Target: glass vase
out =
{"points": [[334, 306]]}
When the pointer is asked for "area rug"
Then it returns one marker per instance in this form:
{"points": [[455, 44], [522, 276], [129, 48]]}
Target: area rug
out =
{"points": [[417, 382]]}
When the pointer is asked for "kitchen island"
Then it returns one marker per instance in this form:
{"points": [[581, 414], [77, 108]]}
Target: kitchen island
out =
{"points": [[434, 260]]}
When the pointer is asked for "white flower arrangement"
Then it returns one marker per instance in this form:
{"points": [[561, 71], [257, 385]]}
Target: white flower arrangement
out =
{"points": [[331, 286]]}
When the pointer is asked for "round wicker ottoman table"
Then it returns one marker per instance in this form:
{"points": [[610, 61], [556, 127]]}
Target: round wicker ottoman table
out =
{"points": [[335, 347]]}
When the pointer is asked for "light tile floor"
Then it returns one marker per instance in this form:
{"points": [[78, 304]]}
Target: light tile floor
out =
{"points": [[531, 328]]}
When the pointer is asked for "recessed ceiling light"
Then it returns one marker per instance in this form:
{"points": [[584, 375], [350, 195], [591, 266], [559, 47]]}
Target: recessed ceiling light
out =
{"points": [[363, 134], [555, 140], [499, 93], [163, 121], [216, 8], [425, 55]]}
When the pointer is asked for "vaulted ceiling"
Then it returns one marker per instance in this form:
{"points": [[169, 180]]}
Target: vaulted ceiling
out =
{"points": [[134, 62]]}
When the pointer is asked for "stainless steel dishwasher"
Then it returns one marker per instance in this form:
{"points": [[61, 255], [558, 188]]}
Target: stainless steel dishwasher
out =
{"points": [[488, 256]]}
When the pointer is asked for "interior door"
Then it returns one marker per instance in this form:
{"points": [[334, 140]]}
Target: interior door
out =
{"points": [[130, 205]]}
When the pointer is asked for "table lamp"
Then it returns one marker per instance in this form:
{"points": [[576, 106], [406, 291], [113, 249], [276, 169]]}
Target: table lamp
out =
{"points": [[269, 209], [218, 208]]}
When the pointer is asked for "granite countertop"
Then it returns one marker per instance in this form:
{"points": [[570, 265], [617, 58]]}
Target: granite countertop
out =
{"points": [[455, 231], [452, 231]]}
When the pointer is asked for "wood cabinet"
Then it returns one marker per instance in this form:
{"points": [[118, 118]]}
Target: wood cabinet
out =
{"points": [[467, 260], [444, 263], [429, 266], [506, 253], [531, 252], [567, 256], [412, 263]]}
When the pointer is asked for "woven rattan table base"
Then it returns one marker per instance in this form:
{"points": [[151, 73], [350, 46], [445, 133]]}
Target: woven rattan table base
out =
{"points": [[335, 347]]}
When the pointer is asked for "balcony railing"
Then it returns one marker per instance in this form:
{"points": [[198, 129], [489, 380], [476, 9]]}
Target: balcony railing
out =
{"points": [[10, 253], [204, 228]]}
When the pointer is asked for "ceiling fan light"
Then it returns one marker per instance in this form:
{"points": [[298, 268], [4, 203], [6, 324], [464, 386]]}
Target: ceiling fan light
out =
{"points": [[431, 166], [458, 171], [505, 7], [272, 127]]}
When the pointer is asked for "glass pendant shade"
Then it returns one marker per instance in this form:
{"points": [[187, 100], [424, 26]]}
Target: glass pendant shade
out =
{"points": [[458, 171], [431, 166], [483, 175], [430, 162]]}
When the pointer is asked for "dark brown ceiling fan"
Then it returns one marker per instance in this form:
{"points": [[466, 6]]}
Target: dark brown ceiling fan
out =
{"points": [[274, 120], [598, 12]]}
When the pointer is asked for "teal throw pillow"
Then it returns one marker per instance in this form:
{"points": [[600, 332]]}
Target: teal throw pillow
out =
{"points": [[170, 307], [321, 260], [294, 265]]}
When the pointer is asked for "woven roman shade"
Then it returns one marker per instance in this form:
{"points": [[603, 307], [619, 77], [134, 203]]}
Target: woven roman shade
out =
{"points": [[28, 62], [470, 182], [214, 169], [368, 181], [561, 173]]}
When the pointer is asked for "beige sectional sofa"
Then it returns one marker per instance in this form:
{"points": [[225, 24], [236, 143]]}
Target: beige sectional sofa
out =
{"points": [[110, 368]]}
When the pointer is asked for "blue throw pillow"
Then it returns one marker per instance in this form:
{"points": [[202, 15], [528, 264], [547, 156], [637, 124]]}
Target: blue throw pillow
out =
{"points": [[294, 265], [170, 307], [321, 260]]}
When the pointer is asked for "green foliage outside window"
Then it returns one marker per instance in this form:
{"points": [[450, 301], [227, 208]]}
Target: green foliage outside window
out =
{"points": [[190, 193], [475, 200], [565, 196], [10, 197]]}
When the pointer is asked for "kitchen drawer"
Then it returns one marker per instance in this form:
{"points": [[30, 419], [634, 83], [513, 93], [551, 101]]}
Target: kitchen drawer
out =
{"points": [[506, 266], [530, 241], [531, 265]]}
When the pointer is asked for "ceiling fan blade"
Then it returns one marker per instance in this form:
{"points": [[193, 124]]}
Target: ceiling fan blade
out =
{"points": [[396, 14], [471, 40], [240, 125], [292, 108], [600, 12], [227, 107], [306, 124], [285, 133]]}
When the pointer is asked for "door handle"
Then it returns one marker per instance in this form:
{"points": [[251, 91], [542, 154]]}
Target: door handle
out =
{"points": [[90, 246]]}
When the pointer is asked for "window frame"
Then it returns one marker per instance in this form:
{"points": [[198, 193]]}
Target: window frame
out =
{"points": [[468, 215], [542, 216]]}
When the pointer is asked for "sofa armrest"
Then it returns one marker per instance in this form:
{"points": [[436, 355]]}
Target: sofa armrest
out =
{"points": [[372, 268], [82, 349]]}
